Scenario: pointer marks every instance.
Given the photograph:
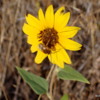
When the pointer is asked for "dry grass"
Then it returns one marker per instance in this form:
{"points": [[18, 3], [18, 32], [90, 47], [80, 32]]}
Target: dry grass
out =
{"points": [[14, 51]]}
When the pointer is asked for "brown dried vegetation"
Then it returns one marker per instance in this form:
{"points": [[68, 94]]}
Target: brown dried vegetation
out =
{"points": [[14, 51]]}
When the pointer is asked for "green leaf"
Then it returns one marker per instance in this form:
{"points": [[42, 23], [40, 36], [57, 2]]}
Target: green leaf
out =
{"points": [[68, 73], [64, 97], [38, 84]]}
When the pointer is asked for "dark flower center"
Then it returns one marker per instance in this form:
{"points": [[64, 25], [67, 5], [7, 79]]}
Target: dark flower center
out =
{"points": [[49, 38]]}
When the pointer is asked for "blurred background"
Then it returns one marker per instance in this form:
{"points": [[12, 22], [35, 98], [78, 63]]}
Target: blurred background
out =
{"points": [[14, 50]]}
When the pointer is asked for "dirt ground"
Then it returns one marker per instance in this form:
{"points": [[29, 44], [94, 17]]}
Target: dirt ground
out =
{"points": [[14, 51]]}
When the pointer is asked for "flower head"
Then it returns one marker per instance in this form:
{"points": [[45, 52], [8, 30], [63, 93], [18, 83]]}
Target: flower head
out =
{"points": [[49, 36]]}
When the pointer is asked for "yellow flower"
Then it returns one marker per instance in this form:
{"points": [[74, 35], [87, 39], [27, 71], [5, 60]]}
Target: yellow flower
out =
{"points": [[49, 36]]}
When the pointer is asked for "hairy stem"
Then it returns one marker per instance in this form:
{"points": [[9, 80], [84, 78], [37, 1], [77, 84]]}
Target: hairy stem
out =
{"points": [[52, 82], [48, 79]]}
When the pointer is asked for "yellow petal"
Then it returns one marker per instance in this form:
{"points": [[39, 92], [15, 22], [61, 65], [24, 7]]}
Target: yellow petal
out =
{"points": [[34, 48], [33, 21], [59, 57], [69, 32], [56, 59], [58, 47], [42, 18], [29, 30], [61, 20], [32, 40], [51, 59], [49, 16], [59, 11], [69, 44], [64, 19], [40, 56], [64, 56]]}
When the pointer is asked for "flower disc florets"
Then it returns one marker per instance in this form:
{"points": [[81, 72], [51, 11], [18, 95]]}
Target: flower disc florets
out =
{"points": [[49, 39]]}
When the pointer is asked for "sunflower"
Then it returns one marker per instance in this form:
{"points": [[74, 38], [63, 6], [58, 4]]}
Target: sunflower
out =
{"points": [[49, 36]]}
